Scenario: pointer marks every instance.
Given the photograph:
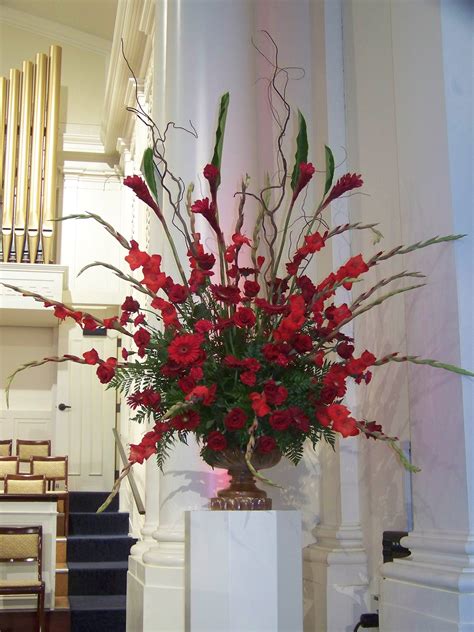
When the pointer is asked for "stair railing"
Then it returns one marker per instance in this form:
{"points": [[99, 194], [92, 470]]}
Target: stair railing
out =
{"points": [[131, 479]]}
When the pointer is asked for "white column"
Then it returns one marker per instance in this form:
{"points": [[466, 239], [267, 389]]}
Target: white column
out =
{"points": [[433, 590], [191, 74], [335, 569]]}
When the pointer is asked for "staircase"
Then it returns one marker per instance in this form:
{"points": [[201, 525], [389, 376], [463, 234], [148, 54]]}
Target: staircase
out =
{"points": [[97, 553]]}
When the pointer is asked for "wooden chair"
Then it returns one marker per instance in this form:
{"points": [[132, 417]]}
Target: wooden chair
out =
{"points": [[6, 447], [25, 449], [24, 484], [55, 470], [9, 465], [23, 544]]}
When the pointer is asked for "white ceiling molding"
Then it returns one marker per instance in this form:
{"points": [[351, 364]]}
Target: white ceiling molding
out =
{"points": [[134, 24], [54, 31], [81, 138]]}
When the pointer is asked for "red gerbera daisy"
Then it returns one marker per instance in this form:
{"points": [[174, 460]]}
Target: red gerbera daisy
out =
{"points": [[184, 349]]}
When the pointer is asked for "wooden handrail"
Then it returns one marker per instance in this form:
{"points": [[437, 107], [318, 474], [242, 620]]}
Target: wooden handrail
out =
{"points": [[131, 479]]}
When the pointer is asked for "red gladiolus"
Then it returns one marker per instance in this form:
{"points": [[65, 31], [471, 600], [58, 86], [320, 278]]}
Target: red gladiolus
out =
{"points": [[140, 189], [207, 210], [136, 258], [346, 183], [184, 349], [91, 357], [177, 293], [259, 404], [153, 278], [345, 350], [235, 419], [89, 323], [130, 305], [106, 370], [337, 314], [216, 441], [266, 444], [347, 427], [306, 173], [211, 173]]}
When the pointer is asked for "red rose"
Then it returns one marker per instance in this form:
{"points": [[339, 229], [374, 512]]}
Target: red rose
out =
{"points": [[275, 395], [203, 393], [186, 384], [251, 364], [251, 288], [141, 337], [266, 444], [244, 317], [136, 258], [203, 326], [235, 419], [216, 441], [184, 349], [130, 305], [91, 357], [280, 420], [298, 419]]}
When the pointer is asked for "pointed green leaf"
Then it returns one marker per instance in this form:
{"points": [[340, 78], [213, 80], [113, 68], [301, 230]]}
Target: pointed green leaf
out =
{"points": [[329, 168], [148, 170], [301, 149], [217, 156]]}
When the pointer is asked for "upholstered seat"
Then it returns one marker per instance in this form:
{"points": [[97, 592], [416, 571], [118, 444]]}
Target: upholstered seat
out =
{"points": [[55, 471], [9, 465], [26, 449], [24, 484], [23, 544], [6, 447]]}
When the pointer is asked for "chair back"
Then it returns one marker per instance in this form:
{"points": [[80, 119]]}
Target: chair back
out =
{"points": [[54, 468], [24, 484], [21, 544], [9, 465], [25, 449], [6, 447]]}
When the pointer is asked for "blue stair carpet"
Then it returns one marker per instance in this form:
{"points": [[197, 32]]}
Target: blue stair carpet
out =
{"points": [[97, 552]]}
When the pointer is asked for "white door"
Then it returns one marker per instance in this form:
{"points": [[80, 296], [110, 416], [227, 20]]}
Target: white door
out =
{"points": [[84, 431]]}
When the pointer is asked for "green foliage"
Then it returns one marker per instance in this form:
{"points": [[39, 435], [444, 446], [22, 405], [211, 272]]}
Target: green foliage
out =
{"points": [[148, 170], [301, 150], [217, 155], [329, 169]]}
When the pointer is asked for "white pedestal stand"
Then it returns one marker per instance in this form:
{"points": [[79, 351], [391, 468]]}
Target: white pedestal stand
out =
{"points": [[243, 571]]}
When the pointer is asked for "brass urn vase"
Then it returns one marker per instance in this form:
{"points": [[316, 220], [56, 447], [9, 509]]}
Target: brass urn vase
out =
{"points": [[242, 492]]}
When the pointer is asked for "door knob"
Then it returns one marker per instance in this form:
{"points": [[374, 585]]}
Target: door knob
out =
{"points": [[63, 406]]}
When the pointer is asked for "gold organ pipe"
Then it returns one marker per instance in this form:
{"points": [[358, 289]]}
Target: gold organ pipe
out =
{"points": [[23, 159], [50, 169], [3, 116], [10, 162], [37, 155]]}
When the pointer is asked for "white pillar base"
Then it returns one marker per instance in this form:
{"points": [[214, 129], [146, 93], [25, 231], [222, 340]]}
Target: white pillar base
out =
{"points": [[155, 597], [336, 590], [433, 589], [243, 571]]}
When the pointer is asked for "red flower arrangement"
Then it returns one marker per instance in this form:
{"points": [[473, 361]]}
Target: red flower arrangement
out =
{"points": [[250, 358]]}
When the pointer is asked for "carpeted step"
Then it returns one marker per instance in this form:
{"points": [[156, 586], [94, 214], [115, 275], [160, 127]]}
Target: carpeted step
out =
{"points": [[104, 613], [98, 578], [97, 548], [90, 501], [86, 523]]}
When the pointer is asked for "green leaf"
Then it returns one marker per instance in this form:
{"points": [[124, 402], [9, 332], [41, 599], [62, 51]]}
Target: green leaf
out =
{"points": [[301, 149], [329, 168], [148, 170], [217, 156]]}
